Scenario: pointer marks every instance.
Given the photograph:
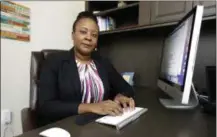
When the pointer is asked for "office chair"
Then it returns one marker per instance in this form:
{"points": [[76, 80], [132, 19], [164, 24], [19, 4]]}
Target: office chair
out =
{"points": [[28, 115]]}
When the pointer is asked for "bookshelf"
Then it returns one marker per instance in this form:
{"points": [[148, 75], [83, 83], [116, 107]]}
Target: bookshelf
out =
{"points": [[112, 17], [143, 27], [137, 27], [137, 15], [113, 10]]}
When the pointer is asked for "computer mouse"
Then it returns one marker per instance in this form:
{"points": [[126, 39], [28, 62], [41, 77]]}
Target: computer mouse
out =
{"points": [[55, 132]]}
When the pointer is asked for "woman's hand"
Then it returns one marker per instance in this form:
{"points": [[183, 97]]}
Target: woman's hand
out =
{"points": [[106, 107], [125, 101]]}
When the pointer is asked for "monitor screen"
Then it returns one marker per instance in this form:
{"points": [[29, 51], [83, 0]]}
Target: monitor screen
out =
{"points": [[175, 54], [178, 60]]}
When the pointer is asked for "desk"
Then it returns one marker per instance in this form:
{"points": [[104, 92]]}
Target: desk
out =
{"points": [[156, 122]]}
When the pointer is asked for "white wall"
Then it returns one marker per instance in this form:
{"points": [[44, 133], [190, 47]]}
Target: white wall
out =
{"points": [[51, 24]]}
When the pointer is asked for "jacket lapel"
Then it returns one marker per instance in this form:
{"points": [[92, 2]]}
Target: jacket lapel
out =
{"points": [[73, 73]]}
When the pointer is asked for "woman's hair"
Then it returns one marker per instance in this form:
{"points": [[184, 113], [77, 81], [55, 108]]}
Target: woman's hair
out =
{"points": [[84, 14]]}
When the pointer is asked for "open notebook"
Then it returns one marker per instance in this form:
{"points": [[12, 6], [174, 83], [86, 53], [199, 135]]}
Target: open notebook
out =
{"points": [[121, 121]]}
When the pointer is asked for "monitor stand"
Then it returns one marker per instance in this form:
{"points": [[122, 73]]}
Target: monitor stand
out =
{"points": [[176, 104]]}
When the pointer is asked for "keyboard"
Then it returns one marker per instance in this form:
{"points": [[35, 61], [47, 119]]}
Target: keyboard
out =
{"points": [[122, 120]]}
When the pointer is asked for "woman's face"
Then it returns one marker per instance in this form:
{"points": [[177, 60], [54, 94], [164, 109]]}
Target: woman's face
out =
{"points": [[85, 36]]}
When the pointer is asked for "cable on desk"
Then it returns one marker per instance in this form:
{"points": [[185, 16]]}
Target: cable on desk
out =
{"points": [[198, 95], [6, 128], [195, 93]]}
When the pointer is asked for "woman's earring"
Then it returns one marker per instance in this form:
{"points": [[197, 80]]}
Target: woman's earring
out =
{"points": [[95, 49]]}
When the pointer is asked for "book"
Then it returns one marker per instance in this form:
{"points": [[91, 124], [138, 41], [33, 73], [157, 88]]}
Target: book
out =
{"points": [[128, 77], [106, 23], [122, 120]]}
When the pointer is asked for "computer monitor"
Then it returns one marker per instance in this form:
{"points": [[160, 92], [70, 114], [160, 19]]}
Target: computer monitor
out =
{"points": [[178, 59]]}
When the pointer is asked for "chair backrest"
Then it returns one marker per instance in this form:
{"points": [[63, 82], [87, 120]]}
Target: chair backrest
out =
{"points": [[28, 118], [28, 115], [37, 57]]}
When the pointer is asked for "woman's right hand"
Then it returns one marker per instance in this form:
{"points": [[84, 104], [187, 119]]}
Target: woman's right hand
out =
{"points": [[107, 107]]}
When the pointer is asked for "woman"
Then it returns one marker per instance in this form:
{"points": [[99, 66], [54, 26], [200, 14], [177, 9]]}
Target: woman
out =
{"points": [[80, 80]]}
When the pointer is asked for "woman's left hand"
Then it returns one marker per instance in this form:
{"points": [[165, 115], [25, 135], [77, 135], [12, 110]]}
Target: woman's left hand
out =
{"points": [[125, 101]]}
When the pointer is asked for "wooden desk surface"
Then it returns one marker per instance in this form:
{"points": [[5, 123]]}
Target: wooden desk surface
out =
{"points": [[156, 122]]}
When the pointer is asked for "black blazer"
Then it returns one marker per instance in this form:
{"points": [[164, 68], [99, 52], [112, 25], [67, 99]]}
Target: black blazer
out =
{"points": [[59, 93]]}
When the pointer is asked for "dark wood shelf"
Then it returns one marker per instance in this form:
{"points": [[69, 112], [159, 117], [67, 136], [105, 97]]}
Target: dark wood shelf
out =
{"points": [[134, 28], [209, 18], [105, 12], [143, 27]]}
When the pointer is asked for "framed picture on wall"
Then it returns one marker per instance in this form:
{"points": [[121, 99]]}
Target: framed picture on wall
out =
{"points": [[15, 21]]}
